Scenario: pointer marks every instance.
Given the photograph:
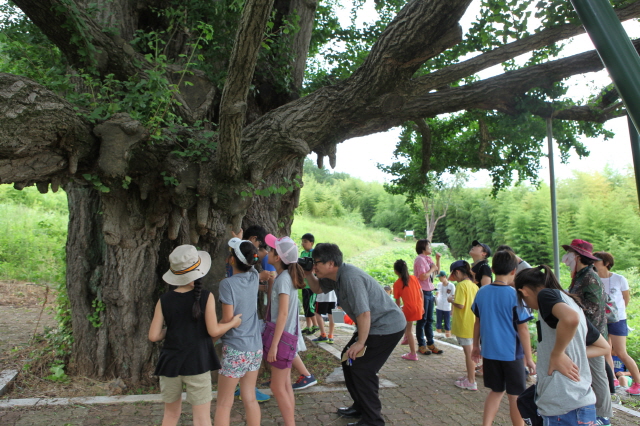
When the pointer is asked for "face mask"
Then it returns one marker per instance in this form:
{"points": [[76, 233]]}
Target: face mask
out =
{"points": [[569, 259]]}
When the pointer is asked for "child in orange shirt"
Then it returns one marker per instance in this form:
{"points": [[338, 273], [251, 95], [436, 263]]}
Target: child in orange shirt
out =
{"points": [[407, 289]]}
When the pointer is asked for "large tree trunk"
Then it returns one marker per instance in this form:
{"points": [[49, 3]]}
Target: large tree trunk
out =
{"points": [[112, 263]]}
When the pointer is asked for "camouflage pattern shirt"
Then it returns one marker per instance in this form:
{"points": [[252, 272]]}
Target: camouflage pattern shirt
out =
{"points": [[588, 287]]}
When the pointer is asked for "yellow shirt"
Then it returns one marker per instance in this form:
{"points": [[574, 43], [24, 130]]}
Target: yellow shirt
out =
{"points": [[464, 319]]}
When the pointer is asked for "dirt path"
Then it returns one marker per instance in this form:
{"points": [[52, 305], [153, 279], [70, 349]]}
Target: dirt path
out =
{"points": [[20, 307]]}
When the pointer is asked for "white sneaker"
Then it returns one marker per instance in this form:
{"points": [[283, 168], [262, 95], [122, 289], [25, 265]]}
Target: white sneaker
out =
{"points": [[464, 384]]}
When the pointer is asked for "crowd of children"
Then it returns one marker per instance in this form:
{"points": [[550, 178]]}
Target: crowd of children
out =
{"points": [[488, 317]]}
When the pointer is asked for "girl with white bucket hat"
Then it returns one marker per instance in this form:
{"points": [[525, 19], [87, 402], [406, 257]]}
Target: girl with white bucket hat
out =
{"points": [[187, 356]]}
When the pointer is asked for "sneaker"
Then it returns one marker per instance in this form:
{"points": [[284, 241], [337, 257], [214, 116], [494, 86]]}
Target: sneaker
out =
{"points": [[314, 329], [464, 384], [424, 351], [330, 340], [260, 397], [447, 334], [320, 339], [435, 350], [305, 382], [616, 383], [634, 389], [438, 330], [410, 357], [603, 421]]}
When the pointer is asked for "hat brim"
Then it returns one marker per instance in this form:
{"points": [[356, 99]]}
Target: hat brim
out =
{"points": [[179, 280], [580, 252], [451, 277], [270, 240]]}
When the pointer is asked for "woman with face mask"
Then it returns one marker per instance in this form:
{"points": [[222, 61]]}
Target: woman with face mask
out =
{"points": [[587, 286]]}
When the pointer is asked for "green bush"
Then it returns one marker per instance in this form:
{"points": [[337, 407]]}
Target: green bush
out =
{"points": [[33, 233]]}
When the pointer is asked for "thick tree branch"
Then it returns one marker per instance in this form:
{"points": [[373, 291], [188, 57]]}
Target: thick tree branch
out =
{"points": [[236, 88], [82, 41], [42, 137], [420, 31], [500, 92], [509, 51]]}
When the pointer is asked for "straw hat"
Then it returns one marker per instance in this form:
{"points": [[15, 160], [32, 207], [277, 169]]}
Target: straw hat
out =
{"points": [[186, 265]]}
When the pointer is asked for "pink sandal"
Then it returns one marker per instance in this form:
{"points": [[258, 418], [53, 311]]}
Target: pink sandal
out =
{"points": [[405, 341], [410, 357]]}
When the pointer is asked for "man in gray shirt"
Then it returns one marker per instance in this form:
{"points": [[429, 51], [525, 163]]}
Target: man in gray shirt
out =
{"points": [[380, 325]]}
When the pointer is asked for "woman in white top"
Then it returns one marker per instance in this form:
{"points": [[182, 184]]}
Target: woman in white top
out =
{"points": [[617, 287]]}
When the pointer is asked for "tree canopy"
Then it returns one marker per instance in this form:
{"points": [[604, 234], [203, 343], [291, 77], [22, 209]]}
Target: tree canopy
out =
{"points": [[171, 122]]}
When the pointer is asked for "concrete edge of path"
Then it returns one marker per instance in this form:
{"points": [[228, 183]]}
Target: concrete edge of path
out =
{"points": [[33, 402], [6, 378]]}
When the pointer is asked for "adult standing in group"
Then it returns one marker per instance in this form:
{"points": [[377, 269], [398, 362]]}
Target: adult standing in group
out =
{"points": [[586, 284], [424, 269], [617, 287], [380, 325]]}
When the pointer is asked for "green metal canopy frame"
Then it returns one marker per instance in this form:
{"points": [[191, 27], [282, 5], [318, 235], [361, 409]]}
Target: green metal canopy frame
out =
{"points": [[620, 58]]}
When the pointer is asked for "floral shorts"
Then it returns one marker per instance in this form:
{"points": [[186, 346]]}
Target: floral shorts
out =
{"points": [[236, 364]]}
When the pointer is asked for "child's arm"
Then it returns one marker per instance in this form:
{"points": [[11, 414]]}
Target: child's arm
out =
{"points": [[525, 340], [283, 313], [214, 328], [156, 332], [599, 348], [568, 321], [476, 355]]}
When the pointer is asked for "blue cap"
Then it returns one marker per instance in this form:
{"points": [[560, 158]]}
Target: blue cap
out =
{"points": [[455, 265]]}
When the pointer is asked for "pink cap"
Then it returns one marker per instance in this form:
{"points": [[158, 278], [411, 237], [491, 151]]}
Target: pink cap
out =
{"points": [[285, 246]]}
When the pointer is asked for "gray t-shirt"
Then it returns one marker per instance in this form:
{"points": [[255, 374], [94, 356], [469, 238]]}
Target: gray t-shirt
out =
{"points": [[358, 293], [557, 394], [241, 291], [284, 285]]}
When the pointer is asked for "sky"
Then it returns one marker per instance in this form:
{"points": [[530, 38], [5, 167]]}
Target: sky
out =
{"points": [[616, 152]]}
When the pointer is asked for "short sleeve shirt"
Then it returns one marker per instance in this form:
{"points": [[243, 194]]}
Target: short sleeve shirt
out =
{"points": [[500, 314], [444, 292], [614, 286], [464, 319], [359, 293], [424, 265], [284, 285], [481, 269], [547, 299], [234, 291]]}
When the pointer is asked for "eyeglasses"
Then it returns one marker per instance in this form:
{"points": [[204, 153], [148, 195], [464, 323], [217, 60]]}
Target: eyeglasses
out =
{"points": [[315, 262]]}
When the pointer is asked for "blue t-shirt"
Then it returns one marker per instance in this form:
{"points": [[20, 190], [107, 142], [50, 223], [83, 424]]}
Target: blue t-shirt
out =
{"points": [[618, 365], [266, 266], [500, 313]]}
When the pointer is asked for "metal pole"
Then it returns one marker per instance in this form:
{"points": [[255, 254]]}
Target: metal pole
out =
{"points": [[617, 54], [635, 152], [554, 207]]}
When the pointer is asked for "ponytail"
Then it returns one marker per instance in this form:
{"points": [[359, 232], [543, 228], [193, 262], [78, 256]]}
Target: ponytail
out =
{"points": [[401, 268], [540, 276], [297, 275], [196, 311]]}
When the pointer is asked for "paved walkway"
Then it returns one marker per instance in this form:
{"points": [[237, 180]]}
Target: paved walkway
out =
{"points": [[424, 395]]}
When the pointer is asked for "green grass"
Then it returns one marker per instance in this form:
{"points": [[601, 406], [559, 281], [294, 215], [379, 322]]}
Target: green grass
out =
{"points": [[33, 233], [352, 238]]}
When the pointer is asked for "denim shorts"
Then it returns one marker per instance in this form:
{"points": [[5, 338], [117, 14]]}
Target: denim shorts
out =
{"points": [[618, 328], [580, 416]]}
